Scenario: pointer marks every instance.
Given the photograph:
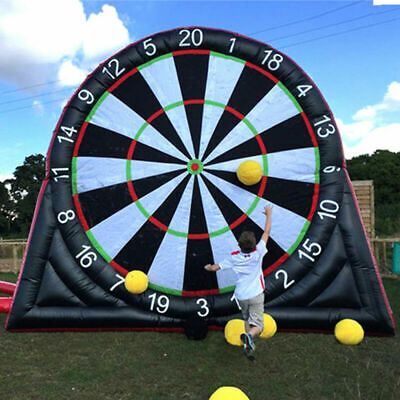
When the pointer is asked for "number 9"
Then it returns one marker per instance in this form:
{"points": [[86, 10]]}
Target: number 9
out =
{"points": [[86, 96]]}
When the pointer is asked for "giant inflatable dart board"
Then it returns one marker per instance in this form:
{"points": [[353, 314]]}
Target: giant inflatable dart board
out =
{"points": [[141, 175]]}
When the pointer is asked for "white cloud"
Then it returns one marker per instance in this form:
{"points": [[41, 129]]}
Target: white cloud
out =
{"points": [[389, 104], [104, 33], [70, 74], [375, 126], [383, 138], [43, 38]]}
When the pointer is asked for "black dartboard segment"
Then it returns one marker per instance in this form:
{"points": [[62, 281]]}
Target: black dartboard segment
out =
{"points": [[142, 171]]}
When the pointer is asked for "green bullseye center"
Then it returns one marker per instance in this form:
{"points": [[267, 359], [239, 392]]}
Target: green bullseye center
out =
{"points": [[195, 167]]}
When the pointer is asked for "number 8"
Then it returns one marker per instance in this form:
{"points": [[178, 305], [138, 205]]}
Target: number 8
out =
{"points": [[65, 216]]}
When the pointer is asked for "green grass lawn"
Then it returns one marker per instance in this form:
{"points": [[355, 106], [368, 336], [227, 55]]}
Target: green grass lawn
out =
{"points": [[163, 366]]}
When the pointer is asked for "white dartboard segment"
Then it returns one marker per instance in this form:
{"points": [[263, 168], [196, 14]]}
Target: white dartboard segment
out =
{"points": [[145, 169], [223, 75], [222, 244], [98, 172], [168, 267]]}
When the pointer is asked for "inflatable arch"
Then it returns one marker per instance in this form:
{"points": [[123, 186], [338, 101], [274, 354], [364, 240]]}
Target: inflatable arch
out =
{"points": [[141, 176]]}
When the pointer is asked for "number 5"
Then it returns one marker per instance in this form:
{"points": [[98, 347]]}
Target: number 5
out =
{"points": [[150, 48]]}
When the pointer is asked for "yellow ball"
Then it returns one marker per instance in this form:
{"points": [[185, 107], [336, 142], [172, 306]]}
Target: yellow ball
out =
{"points": [[348, 331], [228, 393], [249, 172], [136, 282], [233, 329], [269, 327]]}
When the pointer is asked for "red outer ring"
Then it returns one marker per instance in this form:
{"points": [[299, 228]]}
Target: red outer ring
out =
{"points": [[199, 236]]}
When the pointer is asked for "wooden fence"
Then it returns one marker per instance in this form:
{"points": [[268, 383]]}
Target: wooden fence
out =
{"points": [[366, 200], [383, 250], [11, 252]]}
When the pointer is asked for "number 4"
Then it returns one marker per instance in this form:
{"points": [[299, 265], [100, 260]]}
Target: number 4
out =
{"points": [[303, 89]]}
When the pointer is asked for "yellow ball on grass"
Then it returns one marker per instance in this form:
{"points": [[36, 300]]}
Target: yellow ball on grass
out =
{"points": [[136, 282], [270, 327], [233, 329], [249, 172], [348, 331], [228, 393]]}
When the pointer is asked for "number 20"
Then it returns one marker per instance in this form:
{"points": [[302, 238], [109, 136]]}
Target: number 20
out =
{"points": [[195, 37]]}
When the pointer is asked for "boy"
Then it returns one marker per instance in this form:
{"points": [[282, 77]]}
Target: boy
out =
{"points": [[249, 291]]}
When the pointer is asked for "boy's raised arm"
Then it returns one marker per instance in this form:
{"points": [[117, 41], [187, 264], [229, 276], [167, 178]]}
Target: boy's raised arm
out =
{"points": [[268, 221]]}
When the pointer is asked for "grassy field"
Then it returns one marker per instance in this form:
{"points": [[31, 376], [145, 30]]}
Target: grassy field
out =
{"points": [[161, 366]]}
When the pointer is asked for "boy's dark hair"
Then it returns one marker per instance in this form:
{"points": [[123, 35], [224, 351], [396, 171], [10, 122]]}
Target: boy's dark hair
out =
{"points": [[247, 241]]}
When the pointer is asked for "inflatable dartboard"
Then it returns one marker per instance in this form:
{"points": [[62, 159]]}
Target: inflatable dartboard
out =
{"points": [[142, 176]]}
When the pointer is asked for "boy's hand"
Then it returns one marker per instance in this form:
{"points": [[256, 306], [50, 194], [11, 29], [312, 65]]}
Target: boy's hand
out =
{"points": [[208, 267], [267, 211]]}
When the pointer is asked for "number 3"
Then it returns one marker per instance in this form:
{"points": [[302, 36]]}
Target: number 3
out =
{"points": [[204, 307]]}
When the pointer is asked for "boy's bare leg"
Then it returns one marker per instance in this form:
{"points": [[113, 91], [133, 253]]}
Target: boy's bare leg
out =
{"points": [[254, 331]]}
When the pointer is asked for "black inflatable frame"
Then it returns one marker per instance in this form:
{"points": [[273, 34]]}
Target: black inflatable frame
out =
{"points": [[55, 293]]}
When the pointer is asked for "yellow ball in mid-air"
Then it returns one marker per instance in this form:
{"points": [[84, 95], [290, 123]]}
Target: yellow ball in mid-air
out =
{"points": [[233, 329], [228, 393], [249, 172], [270, 327], [136, 282], [348, 331]]}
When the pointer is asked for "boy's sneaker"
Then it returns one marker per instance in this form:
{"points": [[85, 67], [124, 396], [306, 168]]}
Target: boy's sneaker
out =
{"points": [[248, 345]]}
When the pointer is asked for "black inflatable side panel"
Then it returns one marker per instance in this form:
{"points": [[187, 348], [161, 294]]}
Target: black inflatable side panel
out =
{"points": [[53, 291], [56, 294], [342, 292], [320, 300]]}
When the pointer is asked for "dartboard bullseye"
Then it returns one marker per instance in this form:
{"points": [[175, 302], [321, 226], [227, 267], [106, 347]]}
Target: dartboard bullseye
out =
{"points": [[143, 181]]}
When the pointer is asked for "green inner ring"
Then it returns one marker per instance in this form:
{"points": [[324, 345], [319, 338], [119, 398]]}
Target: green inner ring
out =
{"points": [[226, 228]]}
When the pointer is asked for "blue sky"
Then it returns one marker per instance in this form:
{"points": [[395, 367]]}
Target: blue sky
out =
{"points": [[48, 47]]}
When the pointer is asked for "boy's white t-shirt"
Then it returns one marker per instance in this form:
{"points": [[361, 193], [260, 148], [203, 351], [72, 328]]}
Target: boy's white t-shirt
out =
{"points": [[247, 267]]}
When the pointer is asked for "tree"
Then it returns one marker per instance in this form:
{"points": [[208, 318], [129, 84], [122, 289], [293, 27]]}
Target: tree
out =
{"points": [[24, 189], [383, 167], [5, 211]]}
